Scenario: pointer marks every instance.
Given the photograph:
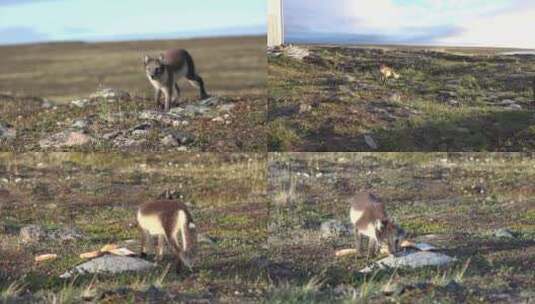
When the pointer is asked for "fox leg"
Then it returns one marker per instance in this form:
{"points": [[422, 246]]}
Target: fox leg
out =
{"points": [[372, 248], [358, 240], [167, 92], [177, 96], [157, 95], [160, 248], [171, 238], [144, 237]]}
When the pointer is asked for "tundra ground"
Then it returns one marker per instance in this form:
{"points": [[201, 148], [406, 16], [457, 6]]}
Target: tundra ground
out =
{"points": [[456, 202], [39, 82], [98, 195], [447, 99]]}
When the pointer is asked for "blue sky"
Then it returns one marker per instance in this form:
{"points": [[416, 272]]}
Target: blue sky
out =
{"points": [[24, 21], [500, 23]]}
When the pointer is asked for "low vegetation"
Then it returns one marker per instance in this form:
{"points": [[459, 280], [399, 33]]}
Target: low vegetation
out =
{"points": [[476, 207], [45, 89], [97, 194], [445, 100]]}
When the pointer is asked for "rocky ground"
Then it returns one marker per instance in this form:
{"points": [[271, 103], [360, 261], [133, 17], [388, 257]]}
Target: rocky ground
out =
{"points": [[113, 120], [77, 96], [475, 208], [72, 203], [331, 99]]}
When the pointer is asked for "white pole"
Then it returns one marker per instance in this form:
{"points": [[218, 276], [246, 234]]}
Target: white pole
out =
{"points": [[275, 23]]}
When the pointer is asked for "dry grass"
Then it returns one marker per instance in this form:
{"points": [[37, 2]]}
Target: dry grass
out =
{"points": [[63, 71]]}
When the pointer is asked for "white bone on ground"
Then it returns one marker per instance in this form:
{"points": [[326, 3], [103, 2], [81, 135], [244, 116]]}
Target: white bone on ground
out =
{"points": [[411, 260]]}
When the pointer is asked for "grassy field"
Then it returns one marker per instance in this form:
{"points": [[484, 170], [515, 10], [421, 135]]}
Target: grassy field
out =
{"points": [[98, 194], [234, 69], [453, 201], [447, 99]]}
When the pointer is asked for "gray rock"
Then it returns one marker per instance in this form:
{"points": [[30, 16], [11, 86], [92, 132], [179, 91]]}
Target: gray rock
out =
{"points": [[169, 141], [371, 142], [304, 107], [507, 102], [514, 107], [210, 101], [454, 103], [35, 233], [81, 103], [394, 97], [123, 142], [110, 94], [410, 260], [111, 135], [140, 133], [170, 118], [226, 107], [193, 110], [66, 234], [80, 124], [504, 233], [183, 138], [110, 264], [393, 289], [68, 138], [7, 131], [32, 234], [46, 104], [453, 287], [333, 228]]}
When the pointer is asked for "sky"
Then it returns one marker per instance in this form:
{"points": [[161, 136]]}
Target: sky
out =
{"points": [[488, 23], [28, 21]]}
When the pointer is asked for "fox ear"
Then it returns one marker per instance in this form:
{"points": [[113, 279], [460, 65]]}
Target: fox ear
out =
{"points": [[161, 58], [146, 59]]}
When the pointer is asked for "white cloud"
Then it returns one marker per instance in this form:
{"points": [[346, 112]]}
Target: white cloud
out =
{"points": [[445, 22]]}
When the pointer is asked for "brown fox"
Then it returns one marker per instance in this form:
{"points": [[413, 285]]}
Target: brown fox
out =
{"points": [[386, 73], [164, 71], [166, 219], [369, 219]]}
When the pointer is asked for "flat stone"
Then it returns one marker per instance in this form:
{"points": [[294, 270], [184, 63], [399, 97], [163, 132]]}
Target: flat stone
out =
{"points": [[46, 104], [371, 142], [7, 131], [410, 260], [514, 107], [67, 138], [170, 118], [169, 141], [193, 110], [504, 233], [110, 264], [226, 107], [110, 94], [111, 135], [66, 234], [32, 234], [183, 138], [210, 101], [81, 103], [80, 124], [35, 233]]}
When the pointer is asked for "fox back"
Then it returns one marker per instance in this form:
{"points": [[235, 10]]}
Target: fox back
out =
{"points": [[367, 214], [168, 219]]}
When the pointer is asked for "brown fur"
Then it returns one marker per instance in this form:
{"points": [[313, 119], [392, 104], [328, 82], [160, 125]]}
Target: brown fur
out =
{"points": [[167, 212], [372, 213]]}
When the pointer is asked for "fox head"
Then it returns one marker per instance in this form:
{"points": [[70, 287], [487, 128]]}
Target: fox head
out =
{"points": [[390, 236], [154, 67]]}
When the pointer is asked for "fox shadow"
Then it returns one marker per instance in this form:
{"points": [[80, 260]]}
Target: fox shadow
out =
{"points": [[496, 131]]}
